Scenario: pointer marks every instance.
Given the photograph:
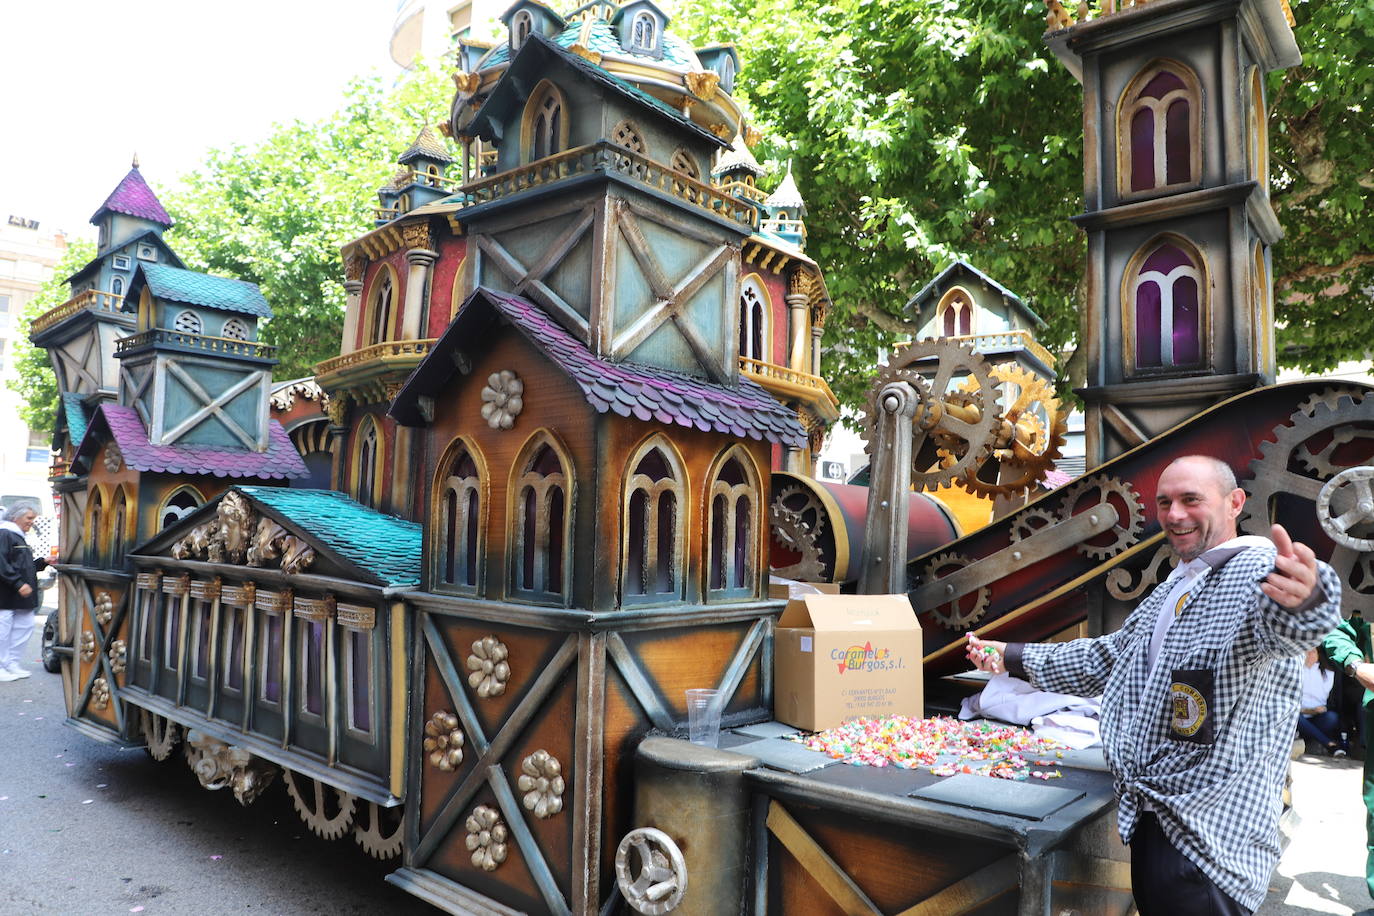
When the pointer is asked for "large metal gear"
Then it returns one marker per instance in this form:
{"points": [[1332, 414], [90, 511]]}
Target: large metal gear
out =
{"points": [[327, 811], [1345, 508], [797, 519], [961, 613], [1321, 440], [1032, 435], [1129, 509], [377, 830], [958, 414]]}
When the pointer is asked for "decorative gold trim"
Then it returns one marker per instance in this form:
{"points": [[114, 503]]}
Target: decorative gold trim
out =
{"points": [[355, 616], [320, 610]]}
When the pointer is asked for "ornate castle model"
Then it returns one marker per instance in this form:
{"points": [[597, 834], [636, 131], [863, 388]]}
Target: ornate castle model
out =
{"points": [[446, 589]]}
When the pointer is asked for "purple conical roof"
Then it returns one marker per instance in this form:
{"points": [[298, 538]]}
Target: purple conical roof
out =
{"points": [[133, 197]]}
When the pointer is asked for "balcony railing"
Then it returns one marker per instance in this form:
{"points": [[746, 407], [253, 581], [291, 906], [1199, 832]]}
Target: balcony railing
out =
{"points": [[224, 346], [607, 157], [763, 373], [389, 351], [92, 299], [1057, 17], [744, 189]]}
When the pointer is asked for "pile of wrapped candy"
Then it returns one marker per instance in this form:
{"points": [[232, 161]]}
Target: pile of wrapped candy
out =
{"points": [[945, 745]]}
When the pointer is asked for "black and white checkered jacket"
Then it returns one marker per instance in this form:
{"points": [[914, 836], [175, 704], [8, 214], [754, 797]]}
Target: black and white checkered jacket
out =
{"points": [[1204, 737]]}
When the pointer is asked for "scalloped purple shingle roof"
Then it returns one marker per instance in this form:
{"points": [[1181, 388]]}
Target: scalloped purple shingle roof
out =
{"points": [[133, 197], [281, 461]]}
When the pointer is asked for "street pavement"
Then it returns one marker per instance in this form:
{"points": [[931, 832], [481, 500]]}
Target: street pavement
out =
{"points": [[86, 828], [1322, 871]]}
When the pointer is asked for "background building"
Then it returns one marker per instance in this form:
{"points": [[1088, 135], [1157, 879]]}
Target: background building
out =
{"points": [[28, 253]]}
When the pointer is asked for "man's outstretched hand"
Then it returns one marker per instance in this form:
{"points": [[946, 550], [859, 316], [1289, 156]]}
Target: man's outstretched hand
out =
{"points": [[987, 654], [1295, 571]]}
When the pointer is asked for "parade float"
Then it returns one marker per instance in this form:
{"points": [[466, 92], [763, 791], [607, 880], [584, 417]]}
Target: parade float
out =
{"points": [[450, 592]]}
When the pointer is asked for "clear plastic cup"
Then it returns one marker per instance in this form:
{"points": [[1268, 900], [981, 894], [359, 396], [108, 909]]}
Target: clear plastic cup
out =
{"points": [[703, 716]]}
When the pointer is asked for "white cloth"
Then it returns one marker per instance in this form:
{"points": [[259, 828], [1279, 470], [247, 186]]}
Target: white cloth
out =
{"points": [[1316, 685], [1074, 729], [1187, 576], [1011, 699], [15, 629]]}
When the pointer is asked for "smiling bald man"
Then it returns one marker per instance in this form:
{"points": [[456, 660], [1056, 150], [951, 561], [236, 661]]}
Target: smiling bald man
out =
{"points": [[1200, 695]]}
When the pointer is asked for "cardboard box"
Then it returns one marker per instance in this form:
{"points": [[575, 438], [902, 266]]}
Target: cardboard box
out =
{"points": [[836, 657]]}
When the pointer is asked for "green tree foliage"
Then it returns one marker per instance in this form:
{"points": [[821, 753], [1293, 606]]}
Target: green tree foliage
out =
{"points": [[923, 131], [1323, 186], [34, 379], [276, 213]]}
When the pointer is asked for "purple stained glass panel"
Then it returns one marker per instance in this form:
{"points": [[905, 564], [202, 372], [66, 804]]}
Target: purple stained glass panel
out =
{"points": [[271, 675], [202, 639], [1143, 150], [314, 666], [1165, 259], [1161, 84], [743, 541], [1178, 147], [717, 570], [171, 607], [1147, 325], [233, 663], [360, 651], [1187, 323]]}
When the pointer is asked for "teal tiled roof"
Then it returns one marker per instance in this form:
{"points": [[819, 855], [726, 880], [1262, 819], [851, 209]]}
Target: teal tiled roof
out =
{"points": [[195, 288], [75, 412], [602, 39], [382, 545]]}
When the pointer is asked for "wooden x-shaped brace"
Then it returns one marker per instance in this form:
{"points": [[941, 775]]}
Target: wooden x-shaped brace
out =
{"points": [[670, 299], [102, 664], [529, 282], [212, 405], [487, 768]]}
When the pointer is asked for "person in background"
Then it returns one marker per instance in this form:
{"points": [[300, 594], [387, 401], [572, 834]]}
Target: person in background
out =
{"points": [[1200, 696], [1316, 723], [18, 589], [1349, 647]]}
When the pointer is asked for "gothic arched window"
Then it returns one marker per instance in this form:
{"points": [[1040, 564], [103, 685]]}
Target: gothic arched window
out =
{"points": [[1159, 129], [380, 323], [180, 504], [367, 462], [117, 532], [520, 26], [754, 312], [545, 126], [955, 314], [117, 286], [542, 538], [94, 512], [654, 498], [644, 32], [457, 539], [1166, 305], [732, 540], [1259, 131]]}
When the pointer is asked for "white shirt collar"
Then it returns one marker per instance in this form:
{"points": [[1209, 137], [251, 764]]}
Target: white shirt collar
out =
{"points": [[1215, 557]]}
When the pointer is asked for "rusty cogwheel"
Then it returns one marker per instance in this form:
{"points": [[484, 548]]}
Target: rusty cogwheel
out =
{"points": [[962, 612], [1129, 508], [1038, 428], [161, 735], [953, 376]]}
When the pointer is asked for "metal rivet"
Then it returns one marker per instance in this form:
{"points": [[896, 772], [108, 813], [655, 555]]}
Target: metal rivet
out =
{"points": [[1093, 518], [1016, 555], [884, 504], [949, 589]]}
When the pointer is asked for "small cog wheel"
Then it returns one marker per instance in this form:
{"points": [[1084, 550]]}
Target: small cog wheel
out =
{"points": [[1034, 429], [161, 735], [961, 612], [1029, 521], [797, 519], [1129, 508], [377, 830], [327, 811]]}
